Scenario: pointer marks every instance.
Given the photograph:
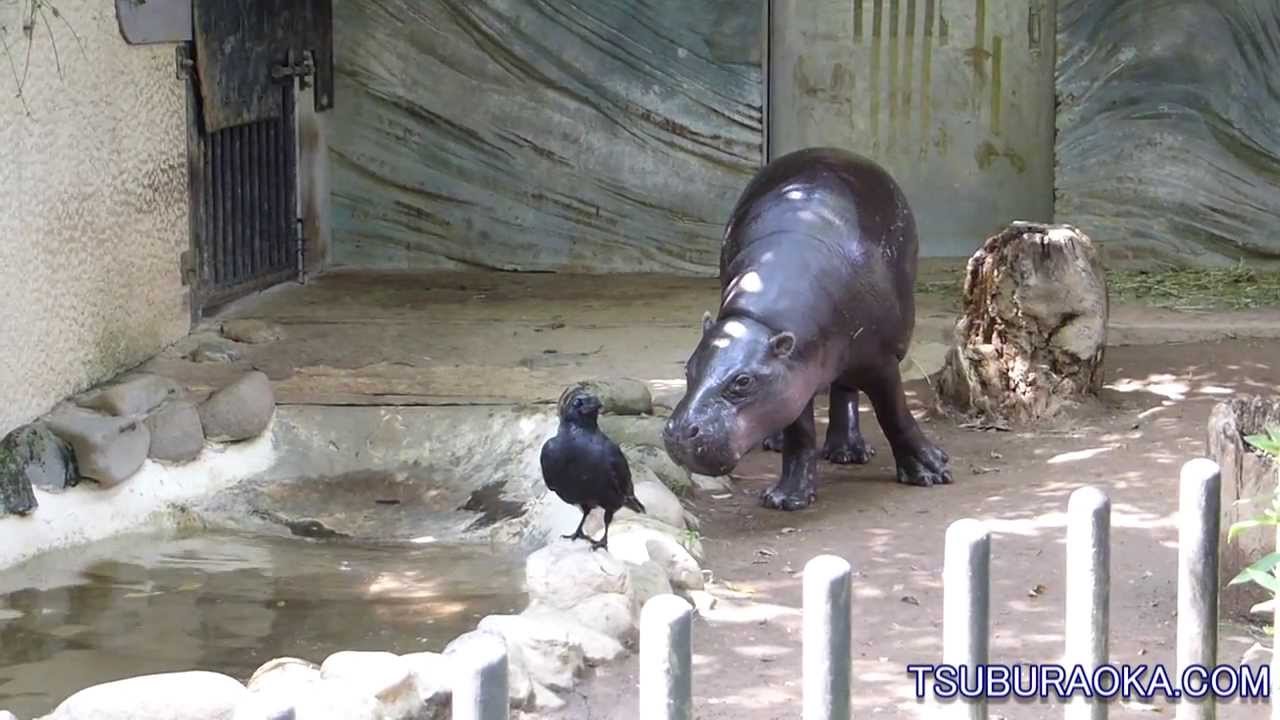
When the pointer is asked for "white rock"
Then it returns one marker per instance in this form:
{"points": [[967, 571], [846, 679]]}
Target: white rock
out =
{"points": [[651, 528], [6, 715], [703, 601], [638, 540], [692, 521], [561, 626], [385, 677], [266, 705], [659, 503], [647, 580], [187, 695], [564, 574], [285, 672], [712, 483], [609, 614], [519, 686], [544, 698], [434, 682], [549, 654]]}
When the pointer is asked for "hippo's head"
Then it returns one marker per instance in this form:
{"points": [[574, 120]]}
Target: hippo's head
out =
{"points": [[745, 383]]}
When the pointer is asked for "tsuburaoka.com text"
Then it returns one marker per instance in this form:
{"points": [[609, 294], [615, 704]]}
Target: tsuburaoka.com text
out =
{"points": [[1128, 682]]}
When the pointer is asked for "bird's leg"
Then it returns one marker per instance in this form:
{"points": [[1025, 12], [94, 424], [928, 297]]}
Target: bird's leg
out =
{"points": [[578, 534], [604, 541]]}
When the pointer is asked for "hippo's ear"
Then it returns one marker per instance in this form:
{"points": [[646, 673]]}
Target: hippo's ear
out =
{"points": [[707, 321], [782, 344]]}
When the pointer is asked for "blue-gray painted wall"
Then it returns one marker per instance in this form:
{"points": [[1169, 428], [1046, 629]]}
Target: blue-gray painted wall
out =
{"points": [[596, 135], [614, 135]]}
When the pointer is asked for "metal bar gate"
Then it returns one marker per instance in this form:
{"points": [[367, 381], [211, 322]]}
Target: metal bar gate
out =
{"points": [[245, 229]]}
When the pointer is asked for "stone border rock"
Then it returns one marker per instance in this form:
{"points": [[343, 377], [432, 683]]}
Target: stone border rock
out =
{"points": [[130, 449], [583, 612]]}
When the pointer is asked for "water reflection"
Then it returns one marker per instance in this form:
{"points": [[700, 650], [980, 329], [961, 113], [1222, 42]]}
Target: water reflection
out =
{"points": [[225, 602]]}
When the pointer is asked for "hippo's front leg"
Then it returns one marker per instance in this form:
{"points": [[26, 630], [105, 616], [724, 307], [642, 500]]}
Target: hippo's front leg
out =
{"points": [[919, 461], [797, 488], [845, 445]]}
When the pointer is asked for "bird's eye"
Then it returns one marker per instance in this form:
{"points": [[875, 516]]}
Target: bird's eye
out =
{"points": [[577, 402]]}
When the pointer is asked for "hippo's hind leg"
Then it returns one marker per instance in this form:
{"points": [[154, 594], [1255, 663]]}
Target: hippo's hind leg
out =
{"points": [[919, 461], [845, 444], [798, 486]]}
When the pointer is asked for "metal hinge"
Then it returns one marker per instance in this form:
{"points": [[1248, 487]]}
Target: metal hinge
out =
{"points": [[187, 264], [301, 68], [183, 64]]}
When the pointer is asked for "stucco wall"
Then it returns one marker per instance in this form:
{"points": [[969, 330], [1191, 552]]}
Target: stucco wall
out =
{"points": [[93, 205], [1168, 146], [542, 134]]}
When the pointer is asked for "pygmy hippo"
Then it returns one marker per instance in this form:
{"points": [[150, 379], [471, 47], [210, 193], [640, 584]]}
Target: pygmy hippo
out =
{"points": [[817, 271]]}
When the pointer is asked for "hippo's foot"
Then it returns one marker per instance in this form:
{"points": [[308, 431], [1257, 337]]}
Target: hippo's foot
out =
{"points": [[844, 452], [924, 466], [789, 496], [773, 443]]}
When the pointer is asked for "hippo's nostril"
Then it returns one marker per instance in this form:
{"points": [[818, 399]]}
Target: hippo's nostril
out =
{"points": [[692, 432]]}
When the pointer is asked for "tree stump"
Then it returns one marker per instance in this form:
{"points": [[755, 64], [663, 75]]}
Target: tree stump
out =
{"points": [[1031, 338], [1247, 474]]}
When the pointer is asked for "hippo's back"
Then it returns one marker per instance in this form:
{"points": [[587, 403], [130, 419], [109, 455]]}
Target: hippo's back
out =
{"points": [[840, 200]]}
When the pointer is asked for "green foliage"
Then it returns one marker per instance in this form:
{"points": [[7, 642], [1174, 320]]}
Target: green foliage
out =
{"points": [[1262, 572]]}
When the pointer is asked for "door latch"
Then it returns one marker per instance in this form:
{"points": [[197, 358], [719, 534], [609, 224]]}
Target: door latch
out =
{"points": [[302, 68]]}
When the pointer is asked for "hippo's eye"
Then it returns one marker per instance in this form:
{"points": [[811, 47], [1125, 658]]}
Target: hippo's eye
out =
{"points": [[741, 382]]}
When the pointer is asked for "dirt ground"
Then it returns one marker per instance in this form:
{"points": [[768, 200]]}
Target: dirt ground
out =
{"points": [[1151, 418], [354, 338]]}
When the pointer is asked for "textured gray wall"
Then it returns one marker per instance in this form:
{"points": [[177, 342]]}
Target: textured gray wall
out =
{"points": [[583, 135], [1169, 127]]}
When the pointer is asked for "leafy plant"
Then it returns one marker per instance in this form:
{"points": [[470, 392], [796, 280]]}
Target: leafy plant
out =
{"points": [[1262, 572]]}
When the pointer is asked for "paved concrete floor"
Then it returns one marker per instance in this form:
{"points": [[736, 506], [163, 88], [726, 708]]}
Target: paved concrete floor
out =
{"points": [[385, 338]]}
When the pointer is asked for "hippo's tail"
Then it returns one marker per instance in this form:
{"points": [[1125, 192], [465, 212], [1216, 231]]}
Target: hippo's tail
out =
{"points": [[631, 502]]}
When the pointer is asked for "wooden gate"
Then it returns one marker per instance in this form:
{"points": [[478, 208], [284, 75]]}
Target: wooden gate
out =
{"points": [[244, 69]]}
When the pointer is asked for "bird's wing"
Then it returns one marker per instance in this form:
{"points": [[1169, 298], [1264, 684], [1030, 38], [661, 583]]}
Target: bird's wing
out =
{"points": [[547, 460], [620, 471]]}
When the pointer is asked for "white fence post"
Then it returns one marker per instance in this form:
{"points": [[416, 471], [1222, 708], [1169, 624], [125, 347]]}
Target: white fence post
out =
{"points": [[1088, 593], [826, 638], [666, 659], [480, 680], [966, 607], [1199, 519]]}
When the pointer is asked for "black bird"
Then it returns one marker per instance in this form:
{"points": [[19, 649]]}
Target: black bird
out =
{"points": [[584, 467]]}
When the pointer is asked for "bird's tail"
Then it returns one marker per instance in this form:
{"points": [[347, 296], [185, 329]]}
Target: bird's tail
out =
{"points": [[633, 503]]}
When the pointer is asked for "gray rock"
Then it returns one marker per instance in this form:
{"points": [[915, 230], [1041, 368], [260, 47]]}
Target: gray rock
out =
{"points": [[188, 695], [252, 331], [240, 410], [621, 396], [676, 478], [107, 449], [177, 435], [138, 395], [32, 456], [633, 429], [659, 502], [712, 483], [216, 351]]}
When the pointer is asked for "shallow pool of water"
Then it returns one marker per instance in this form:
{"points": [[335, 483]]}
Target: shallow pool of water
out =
{"points": [[225, 602]]}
